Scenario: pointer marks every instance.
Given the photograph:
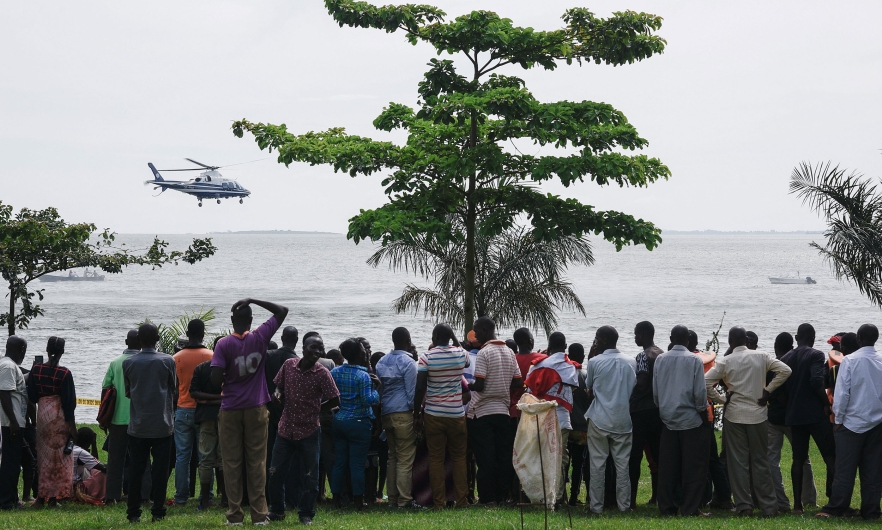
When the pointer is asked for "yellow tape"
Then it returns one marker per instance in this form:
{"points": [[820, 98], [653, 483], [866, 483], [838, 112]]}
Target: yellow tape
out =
{"points": [[89, 402]]}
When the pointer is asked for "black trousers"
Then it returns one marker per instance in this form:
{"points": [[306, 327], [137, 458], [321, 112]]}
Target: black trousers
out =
{"points": [[822, 434], [717, 489], [493, 446], [10, 468], [857, 451], [292, 471], [29, 459], [140, 451], [117, 445], [646, 429], [577, 460], [682, 466]]}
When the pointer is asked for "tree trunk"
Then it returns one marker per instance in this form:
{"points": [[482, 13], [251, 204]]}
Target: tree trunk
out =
{"points": [[471, 228], [11, 322]]}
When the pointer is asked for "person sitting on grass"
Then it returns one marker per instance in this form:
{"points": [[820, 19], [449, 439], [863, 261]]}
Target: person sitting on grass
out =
{"points": [[90, 475]]}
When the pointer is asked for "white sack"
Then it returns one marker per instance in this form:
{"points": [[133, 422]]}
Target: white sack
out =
{"points": [[535, 440]]}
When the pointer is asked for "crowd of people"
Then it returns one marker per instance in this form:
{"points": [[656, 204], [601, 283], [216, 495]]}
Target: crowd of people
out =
{"points": [[263, 427]]}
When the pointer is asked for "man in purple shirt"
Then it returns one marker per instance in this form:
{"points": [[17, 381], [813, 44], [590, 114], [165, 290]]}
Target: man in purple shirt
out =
{"points": [[239, 364]]}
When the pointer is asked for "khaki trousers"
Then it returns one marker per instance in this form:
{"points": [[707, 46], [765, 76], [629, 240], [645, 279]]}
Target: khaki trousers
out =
{"points": [[402, 451], [209, 450], [243, 448], [446, 434], [747, 461]]}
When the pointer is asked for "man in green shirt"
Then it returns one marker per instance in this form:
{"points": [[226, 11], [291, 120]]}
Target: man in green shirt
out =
{"points": [[117, 436]]}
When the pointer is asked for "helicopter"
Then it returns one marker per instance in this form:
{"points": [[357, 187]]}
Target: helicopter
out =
{"points": [[210, 184]]}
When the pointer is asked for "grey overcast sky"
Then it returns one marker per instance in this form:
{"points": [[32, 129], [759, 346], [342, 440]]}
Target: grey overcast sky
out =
{"points": [[92, 91]]}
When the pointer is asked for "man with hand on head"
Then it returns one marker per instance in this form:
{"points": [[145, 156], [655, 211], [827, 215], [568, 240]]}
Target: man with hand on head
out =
{"points": [[858, 412], [611, 376], [398, 373], [678, 389], [745, 420], [239, 363], [305, 388], [151, 386], [13, 409]]}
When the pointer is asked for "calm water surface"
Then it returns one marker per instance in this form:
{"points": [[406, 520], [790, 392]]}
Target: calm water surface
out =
{"points": [[323, 278]]}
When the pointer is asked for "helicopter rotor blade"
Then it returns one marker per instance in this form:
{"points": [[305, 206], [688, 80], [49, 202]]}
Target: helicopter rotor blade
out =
{"points": [[189, 169], [200, 164]]}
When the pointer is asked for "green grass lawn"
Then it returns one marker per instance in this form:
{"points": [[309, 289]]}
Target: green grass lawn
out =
{"points": [[77, 516]]}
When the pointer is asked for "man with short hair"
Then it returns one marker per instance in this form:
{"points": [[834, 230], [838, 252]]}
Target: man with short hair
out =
{"points": [[186, 430], [117, 435], [579, 436], [150, 384], [553, 379], [610, 379], [439, 381], [858, 412], [13, 409], [496, 374], [398, 373], [274, 361], [305, 387], [752, 340], [208, 401], [679, 391], [808, 410], [778, 431], [239, 362], [745, 420], [647, 425]]}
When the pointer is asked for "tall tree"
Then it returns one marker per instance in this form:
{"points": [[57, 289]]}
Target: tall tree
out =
{"points": [[34, 243], [520, 280], [457, 159], [852, 208]]}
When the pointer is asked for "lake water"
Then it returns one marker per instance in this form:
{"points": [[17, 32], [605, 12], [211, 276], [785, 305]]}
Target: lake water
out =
{"points": [[323, 278]]}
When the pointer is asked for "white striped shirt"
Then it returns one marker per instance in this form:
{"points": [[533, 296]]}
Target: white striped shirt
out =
{"points": [[444, 366]]}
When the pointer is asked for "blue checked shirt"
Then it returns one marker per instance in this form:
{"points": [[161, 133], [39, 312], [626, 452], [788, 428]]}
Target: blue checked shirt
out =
{"points": [[357, 394]]}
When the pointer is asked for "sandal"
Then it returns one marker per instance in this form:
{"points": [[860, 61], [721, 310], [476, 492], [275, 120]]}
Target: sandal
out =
{"points": [[823, 515]]}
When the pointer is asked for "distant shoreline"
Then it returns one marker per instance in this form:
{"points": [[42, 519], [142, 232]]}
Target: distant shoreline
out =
{"points": [[272, 232], [740, 232]]}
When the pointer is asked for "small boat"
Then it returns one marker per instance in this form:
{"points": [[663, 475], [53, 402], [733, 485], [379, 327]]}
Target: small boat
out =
{"points": [[793, 281], [88, 276]]}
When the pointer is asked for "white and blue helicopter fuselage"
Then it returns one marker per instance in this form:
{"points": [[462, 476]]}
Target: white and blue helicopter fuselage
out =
{"points": [[209, 184]]}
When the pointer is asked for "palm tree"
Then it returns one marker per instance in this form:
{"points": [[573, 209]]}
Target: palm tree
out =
{"points": [[520, 281], [170, 333], [852, 206]]}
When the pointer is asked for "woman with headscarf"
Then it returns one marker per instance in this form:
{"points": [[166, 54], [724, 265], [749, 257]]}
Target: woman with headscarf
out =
{"points": [[51, 387]]}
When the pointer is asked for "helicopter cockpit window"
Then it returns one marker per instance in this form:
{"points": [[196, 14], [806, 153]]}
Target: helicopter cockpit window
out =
{"points": [[207, 179], [198, 179]]}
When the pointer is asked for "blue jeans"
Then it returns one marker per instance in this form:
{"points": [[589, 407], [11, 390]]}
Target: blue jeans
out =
{"points": [[302, 455], [186, 436], [352, 438]]}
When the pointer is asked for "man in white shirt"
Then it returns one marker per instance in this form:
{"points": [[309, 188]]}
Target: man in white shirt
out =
{"points": [[745, 420], [858, 431], [610, 379], [13, 407]]}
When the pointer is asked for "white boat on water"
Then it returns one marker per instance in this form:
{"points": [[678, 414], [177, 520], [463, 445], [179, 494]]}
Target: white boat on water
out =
{"points": [[88, 276], [793, 281]]}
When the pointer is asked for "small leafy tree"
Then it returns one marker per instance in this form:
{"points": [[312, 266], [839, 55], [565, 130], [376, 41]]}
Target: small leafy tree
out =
{"points": [[852, 207], [520, 278], [458, 158], [34, 243]]}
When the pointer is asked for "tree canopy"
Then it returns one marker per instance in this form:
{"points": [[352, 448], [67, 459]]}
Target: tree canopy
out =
{"points": [[458, 160], [34, 243]]}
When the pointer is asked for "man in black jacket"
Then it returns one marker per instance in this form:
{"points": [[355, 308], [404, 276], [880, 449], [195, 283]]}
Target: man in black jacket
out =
{"points": [[808, 410]]}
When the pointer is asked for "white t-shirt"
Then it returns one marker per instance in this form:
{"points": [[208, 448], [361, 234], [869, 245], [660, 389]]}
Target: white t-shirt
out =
{"points": [[12, 379], [84, 462]]}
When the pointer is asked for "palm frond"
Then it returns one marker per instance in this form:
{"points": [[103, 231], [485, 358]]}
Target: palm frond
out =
{"points": [[852, 208]]}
